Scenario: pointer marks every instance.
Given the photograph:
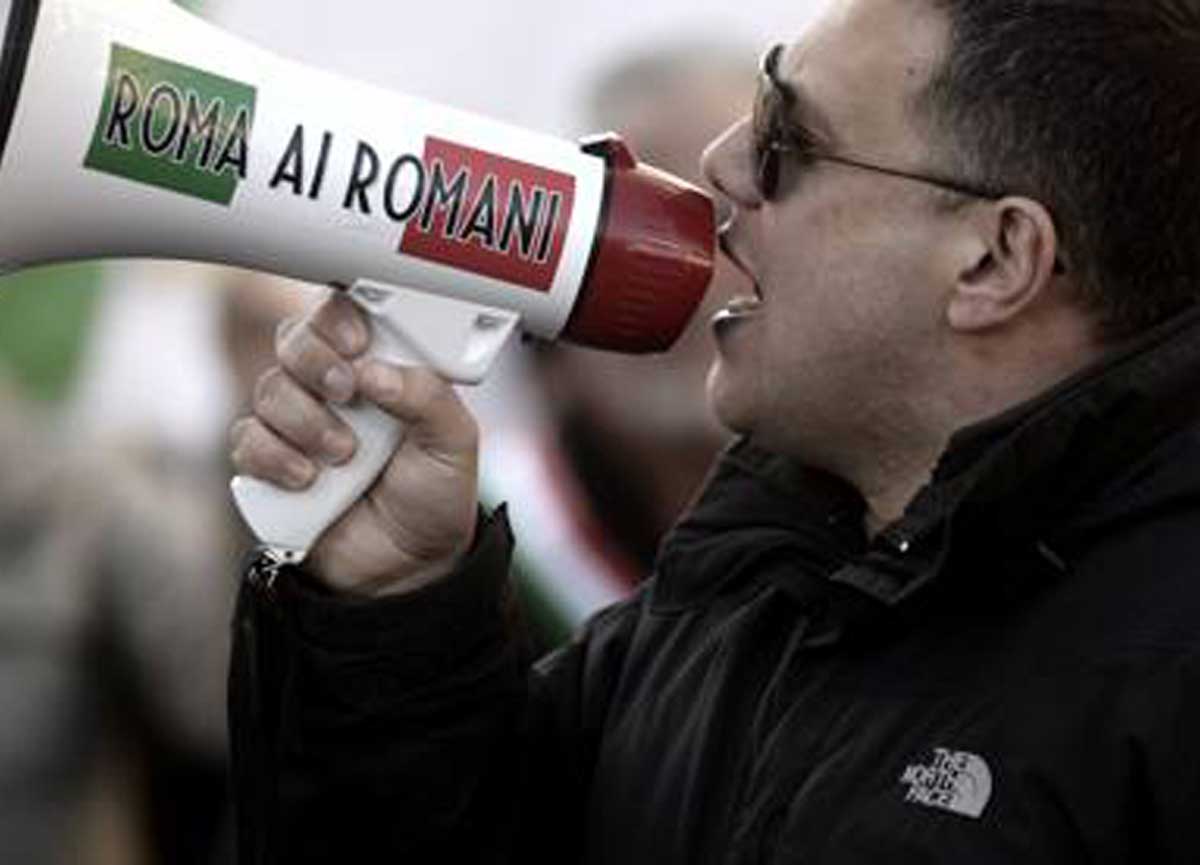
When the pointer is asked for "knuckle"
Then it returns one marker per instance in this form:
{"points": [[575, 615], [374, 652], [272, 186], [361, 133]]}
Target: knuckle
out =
{"points": [[238, 430], [245, 453], [288, 411], [284, 329], [307, 357], [430, 385], [295, 345], [312, 362], [261, 454], [266, 391], [423, 390]]}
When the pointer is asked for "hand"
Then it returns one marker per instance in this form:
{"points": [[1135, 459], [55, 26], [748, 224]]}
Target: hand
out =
{"points": [[418, 519]]}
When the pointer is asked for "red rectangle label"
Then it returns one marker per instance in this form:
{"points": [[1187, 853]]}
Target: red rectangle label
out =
{"points": [[491, 215]]}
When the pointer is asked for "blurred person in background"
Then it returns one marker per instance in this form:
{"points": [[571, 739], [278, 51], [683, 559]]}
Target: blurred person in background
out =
{"points": [[629, 438], [113, 628]]}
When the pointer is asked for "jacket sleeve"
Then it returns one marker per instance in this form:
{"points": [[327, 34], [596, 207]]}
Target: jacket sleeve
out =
{"points": [[408, 728]]}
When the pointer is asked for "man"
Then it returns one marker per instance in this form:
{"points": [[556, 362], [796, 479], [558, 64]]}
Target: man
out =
{"points": [[950, 614]]}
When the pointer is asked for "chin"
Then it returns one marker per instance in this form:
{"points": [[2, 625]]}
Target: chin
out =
{"points": [[730, 402]]}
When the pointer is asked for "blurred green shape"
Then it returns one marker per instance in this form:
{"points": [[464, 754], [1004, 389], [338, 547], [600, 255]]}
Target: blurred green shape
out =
{"points": [[548, 623], [45, 315]]}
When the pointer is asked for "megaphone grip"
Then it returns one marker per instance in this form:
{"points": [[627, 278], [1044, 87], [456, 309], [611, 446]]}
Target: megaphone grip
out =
{"points": [[291, 521]]}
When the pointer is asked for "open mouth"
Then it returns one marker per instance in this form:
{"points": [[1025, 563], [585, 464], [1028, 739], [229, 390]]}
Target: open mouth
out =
{"points": [[739, 309], [743, 306]]}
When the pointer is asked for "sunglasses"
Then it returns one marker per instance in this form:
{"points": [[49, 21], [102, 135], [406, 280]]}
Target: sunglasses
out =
{"points": [[776, 135]]}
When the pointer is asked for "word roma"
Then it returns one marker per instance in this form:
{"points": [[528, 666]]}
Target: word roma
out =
{"points": [[166, 120], [509, 220], [188, 130]]}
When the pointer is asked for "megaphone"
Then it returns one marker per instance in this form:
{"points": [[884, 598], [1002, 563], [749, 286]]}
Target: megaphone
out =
{"points": [[133, 128]]}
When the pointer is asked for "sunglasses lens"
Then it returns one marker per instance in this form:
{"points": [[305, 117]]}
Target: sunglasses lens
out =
{"points": [[766, 126], [767, 173], [766, 163]]}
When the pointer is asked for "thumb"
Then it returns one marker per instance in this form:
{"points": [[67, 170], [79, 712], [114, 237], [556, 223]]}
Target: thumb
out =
{"points": [[437, 419]]}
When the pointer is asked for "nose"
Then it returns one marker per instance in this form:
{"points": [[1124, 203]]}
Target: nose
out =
{"points": [[728, 165]]}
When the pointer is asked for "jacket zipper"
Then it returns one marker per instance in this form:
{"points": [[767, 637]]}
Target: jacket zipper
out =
{"points": [[261, 577], [264, 571]]}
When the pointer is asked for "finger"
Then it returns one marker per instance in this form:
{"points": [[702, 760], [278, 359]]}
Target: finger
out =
{"points": [[300, 419], [341, 323], [315, 349], [435, 415], [260, 453]]}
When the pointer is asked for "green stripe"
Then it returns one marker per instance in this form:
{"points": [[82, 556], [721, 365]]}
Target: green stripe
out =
{"points": [[45, 315], [548, 621], [173, 126]]}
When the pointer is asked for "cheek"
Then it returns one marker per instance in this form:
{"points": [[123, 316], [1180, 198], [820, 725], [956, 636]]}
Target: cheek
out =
{"points": [[845, 276], [852, 323]]}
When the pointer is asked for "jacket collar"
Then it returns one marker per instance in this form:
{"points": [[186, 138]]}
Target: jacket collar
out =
{"points": [[1028, 475], [756, 510]]}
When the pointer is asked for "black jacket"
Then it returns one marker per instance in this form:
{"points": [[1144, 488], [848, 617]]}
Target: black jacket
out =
{"points": [[1008, 674]]}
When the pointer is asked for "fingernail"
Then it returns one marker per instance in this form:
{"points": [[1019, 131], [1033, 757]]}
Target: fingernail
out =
{"points": [[299, 474], [337, 447], [339, 383]]}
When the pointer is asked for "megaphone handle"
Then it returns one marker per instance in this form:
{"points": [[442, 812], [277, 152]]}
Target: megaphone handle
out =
{"points": [[291, 521]]}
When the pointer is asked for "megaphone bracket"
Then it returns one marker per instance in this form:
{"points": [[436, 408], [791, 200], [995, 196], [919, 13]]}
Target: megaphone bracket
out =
{"points": [[457, 338]]}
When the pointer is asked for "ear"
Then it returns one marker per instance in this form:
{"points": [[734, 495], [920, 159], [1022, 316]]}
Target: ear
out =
{"points": [[1009, 261]]}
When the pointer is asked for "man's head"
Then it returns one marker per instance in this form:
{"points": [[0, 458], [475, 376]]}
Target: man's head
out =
{"points": [[1092, 107], [895, 309]]}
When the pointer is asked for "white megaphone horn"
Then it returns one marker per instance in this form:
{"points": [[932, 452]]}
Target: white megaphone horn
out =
{"points": [[133, 128]]}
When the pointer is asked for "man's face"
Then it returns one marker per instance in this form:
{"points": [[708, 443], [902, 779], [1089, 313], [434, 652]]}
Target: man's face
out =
{"points": [[849, 263]]}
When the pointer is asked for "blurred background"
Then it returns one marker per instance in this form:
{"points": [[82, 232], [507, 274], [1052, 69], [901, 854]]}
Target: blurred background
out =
{"points": [[118, 545]]}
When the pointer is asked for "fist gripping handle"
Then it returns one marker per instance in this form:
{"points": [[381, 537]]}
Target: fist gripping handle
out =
{"points": [[457, 339]]}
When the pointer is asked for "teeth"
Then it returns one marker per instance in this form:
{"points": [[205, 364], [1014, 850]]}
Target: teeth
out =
{"points": [[738, 309], [743, 304]]}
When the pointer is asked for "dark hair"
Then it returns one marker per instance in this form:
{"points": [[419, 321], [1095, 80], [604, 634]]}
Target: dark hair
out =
{"points": [[1093, 108]]}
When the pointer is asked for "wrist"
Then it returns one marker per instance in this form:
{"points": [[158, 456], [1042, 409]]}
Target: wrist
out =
{"points": [[374, 567], [423, 633], [413, 577]]}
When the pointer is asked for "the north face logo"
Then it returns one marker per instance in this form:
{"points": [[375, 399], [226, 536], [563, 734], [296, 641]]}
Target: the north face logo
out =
{"points": [[955, 781]]}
